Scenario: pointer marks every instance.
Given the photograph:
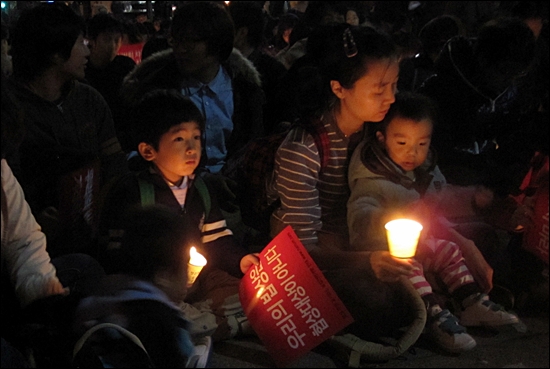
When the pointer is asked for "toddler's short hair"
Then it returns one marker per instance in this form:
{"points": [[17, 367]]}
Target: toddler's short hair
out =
{"points": [[412, 106]]}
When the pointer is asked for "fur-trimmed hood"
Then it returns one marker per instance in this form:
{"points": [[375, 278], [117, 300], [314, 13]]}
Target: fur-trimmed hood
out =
{"points": [[160, 70]]}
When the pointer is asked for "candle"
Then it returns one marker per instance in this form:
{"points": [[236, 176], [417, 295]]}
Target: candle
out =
{"points": [[403, 235], [195, 265]]}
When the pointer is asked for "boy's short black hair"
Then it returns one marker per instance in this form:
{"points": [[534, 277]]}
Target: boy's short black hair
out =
{"points": [[102, 22], [409, 105], [40, 33], [207, 21], [155, 239], [158, 111]]}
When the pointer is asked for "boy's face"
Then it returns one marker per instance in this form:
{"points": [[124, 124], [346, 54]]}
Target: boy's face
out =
{"points": [[179, 152], [407, 141]]}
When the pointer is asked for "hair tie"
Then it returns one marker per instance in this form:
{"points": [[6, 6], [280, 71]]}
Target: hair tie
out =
{"points": [[349, 44]]}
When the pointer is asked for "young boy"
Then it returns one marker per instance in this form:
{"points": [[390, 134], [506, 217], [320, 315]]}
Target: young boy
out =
{"points": [[168, 130], [388, 176], [143, 297]]}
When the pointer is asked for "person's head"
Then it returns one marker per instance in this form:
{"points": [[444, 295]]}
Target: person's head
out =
{"points": [[154, 45], [49, 35], [504, 50], [317, 14], [155, 247], [202, 36], [532, 13], [168, 132], [352, 17], [141, 18], [354, 74], [7, 68], [284, 28], [249, 21], [104, 37], [406, 131]]}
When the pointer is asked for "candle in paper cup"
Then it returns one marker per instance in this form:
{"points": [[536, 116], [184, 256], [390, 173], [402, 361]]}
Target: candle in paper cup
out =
{"points": [[195, 265], [403, 235]]}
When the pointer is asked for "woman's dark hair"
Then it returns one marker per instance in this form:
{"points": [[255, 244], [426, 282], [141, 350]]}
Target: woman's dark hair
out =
{"points": [[40, 33], [338, 52], [208, 22], [160, 110], [155, 239]]}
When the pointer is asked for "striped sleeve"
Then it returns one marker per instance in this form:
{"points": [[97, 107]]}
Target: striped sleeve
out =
{"points": [[297, 166]]}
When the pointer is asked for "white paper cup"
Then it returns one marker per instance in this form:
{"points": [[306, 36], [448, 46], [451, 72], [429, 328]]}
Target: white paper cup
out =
{"points": [[194, 266], [192, 273], [403, 235]]}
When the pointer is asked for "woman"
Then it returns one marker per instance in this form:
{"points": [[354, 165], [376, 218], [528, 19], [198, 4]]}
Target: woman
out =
{"points": [[350, 80]]}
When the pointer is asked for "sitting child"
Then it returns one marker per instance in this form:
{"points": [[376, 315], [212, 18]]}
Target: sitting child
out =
{"points": [[388, 177], [168, 131], [143, 297]]}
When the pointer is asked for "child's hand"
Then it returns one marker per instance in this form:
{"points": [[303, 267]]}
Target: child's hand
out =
{"points": [[387, 268], [482, 198], [248, 260], [523, 215]]}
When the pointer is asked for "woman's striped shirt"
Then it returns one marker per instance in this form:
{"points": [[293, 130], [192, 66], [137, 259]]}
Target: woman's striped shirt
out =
{"points": [[312, 199]]}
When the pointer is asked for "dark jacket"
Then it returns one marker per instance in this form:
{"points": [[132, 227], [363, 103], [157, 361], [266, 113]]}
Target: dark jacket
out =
{"points": [[478, 133], [108, 82], [144, 310], [212, 237], [161, 71]]}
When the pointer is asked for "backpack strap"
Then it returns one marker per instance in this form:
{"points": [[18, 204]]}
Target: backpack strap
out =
{"points": [[147, 192], [204, 194], [124, 333], [319, 133]]}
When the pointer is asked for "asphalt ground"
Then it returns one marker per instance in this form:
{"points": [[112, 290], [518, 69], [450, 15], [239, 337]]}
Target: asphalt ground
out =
{"points": [[524, 345]]}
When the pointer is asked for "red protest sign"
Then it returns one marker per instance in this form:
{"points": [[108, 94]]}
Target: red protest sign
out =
{"points": [[132, 51], [288, 301]]}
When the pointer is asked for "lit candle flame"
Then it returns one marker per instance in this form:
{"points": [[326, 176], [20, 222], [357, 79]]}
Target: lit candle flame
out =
{"points": [[196, 258]]}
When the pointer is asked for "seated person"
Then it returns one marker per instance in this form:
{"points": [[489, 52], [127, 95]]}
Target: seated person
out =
{"points": [[143, 298], [168, 131], [388, 175], [105, 69], [37, 292]]}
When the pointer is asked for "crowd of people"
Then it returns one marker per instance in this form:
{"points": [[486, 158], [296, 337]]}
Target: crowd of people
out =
{"points": [[113, 168]]}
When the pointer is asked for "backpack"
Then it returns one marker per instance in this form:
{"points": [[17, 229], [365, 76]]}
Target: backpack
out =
{"points": [[108, 345], [252, 169], [147, 193]]}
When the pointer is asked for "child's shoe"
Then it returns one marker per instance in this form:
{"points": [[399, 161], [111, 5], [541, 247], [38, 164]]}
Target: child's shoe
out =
{"points": [[444, 330], [480, 311], [240, 326], [201, 353]]}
